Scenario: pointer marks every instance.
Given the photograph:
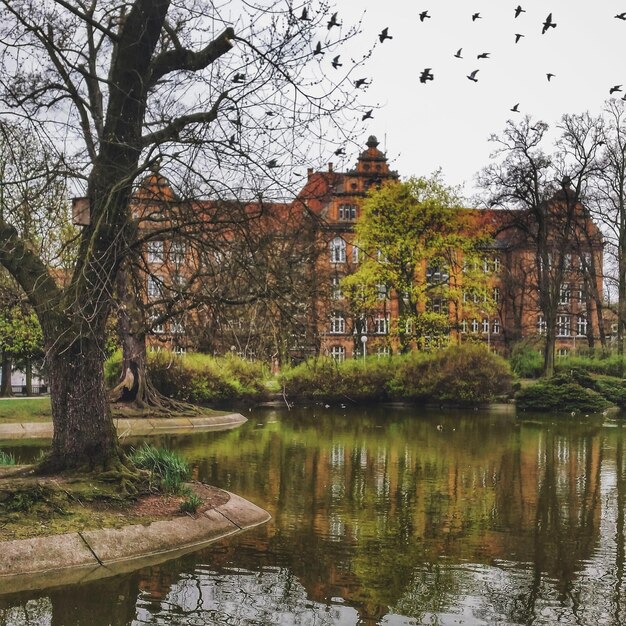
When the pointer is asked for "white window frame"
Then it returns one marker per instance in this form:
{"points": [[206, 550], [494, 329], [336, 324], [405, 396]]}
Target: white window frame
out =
{"points": [[381, 324], [153, 288], [177, 328], [564, 294], [475, 325], [336, 292], [338, 353], [383, 351], [155, 250], [541, 325], [337, 323], [495, 326], [338, 250], [582, 324], [485, 325], [563, 326], [355, 253], [381, 290], [178, 252], [496, 294]]}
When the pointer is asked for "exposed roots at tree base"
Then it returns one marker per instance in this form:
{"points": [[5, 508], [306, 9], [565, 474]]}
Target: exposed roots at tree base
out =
{"points": [[118, 470], [147, 398]]}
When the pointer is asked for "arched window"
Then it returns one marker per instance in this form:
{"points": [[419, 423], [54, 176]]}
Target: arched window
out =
{"points": [[337, 250]]}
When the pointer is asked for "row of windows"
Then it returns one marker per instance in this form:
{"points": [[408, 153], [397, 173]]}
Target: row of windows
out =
{"points": [[568, 295], [338, 324], [156, 252], [572, 262], [484, 326], [339, 352], [564, 325], [176, 328]]}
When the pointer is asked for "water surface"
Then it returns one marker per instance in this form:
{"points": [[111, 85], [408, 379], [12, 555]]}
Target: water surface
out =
{"points": [[386, 516]]}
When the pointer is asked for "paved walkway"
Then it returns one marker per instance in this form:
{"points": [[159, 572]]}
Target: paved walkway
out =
{"points": [[131, 426], [72, 558]]}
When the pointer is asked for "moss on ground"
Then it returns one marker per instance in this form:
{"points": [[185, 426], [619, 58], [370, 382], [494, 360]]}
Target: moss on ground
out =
{"points": [[39, 506], [17, 410]]}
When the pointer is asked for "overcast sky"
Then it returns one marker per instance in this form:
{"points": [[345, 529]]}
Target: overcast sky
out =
{"points": [[447, 121]]}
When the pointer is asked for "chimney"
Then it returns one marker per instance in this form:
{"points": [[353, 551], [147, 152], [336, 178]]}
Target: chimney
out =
{"points": [[309, 172], [330, 167]]}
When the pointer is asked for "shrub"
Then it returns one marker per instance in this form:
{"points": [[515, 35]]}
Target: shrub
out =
{"points": [[168, 470], [526, 358], [414, 377], [612, 389], [6, 458], [608, 365], [560, 394], [470, 375]]}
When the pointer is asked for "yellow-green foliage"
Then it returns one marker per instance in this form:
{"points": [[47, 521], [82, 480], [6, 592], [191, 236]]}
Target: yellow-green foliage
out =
{"points": [[199, 377]]}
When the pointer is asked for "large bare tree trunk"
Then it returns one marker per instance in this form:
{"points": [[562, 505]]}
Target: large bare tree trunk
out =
{"points": [[83, 427]]}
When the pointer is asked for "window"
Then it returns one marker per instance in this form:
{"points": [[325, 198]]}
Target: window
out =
{"points": [[562, 326], [381, 324], [177, 328], [355, 253], [495, 327], [562, 352], [180, 350], [335, 292], [541, 325], [383, 351], [585, 261], [581, 325], [347, 212], [155, 252], [485, 325], [381, 257], [436, 274], [337, 323], [409, 327], [496, 264], [580, 296], [564, 294], [338, 353], [474, 325], [567, 262], [437, 305], [154, 287], [337, 250], [158, 329], [177, 252], [486, 265], [496, 294], [381, 290], [360, 325]]}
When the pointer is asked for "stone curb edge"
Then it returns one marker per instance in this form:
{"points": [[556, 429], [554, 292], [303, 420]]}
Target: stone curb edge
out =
{"points": [[131, 426], [72, 558]]}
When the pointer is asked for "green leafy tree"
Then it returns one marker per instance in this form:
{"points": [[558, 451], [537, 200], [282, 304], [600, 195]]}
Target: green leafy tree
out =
{"points": [[418, 242], [21, 341]]}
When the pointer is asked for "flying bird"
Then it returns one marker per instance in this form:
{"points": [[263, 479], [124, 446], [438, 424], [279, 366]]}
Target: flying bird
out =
{"points": [[458, 53], [483, 55], [519, 11], [518, 36], [239, 78], [333, 21], [424, 15], [305, 15], [614, 89], [548, 24], [549, 75], [384, 34], [336, 63], [360, 82], [621, 16], [472, 76], [231, 140], [272, 164], [426, 75], [318, 49], [476, 16], [340, 152], [515, 108], [367, 115]]}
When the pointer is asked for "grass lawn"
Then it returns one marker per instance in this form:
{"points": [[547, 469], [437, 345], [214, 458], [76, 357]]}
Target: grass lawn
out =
{"points": [[25, 410]]}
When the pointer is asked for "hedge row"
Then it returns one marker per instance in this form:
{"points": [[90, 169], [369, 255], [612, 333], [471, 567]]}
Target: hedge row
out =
{"points": [[459, 375]]}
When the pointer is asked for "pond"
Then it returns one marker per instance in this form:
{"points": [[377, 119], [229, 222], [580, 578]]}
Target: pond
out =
{"points": [[390, 516]]}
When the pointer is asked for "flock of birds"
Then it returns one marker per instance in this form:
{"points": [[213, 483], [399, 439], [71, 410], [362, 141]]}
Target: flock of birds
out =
{"points": [[548, 23]]}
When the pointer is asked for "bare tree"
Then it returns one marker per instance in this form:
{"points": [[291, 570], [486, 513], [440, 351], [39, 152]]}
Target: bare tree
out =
{"points": [[122, 85], [547, 192]]}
